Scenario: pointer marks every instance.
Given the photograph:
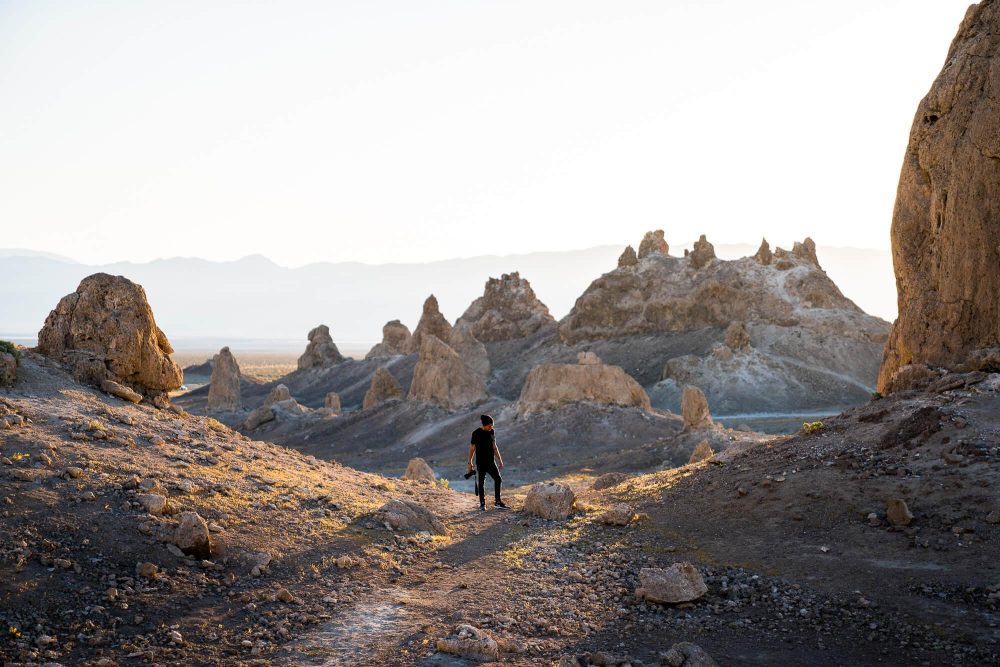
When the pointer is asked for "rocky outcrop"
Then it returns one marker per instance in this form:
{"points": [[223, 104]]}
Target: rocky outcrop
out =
{"points": [[551, 386], [383, 387], [737, 337], [628, 258], [702, 451], [332, 401], [549, 500], [224, 387], [686, 654], [105, 331], [192, 536], [279, 403], [763, 255], [409, 516], [8, 369], [470, 643], [508, 309], [653, 243], [681, 582], [417, 470], [431, 322], [702, 253], [395, 340], [321, 350], [472, 352], [694, 408], [442, 377], [945, 225]]}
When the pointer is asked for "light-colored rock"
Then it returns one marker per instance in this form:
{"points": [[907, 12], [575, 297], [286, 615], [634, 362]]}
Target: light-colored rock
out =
{"points": [[588, 359], [472, 352], [609, 479], [8, 369], [383, 387], [807, 251], [279, 402], [763, 255], [551, 386], [945, 226], [737, 337], [120, 391], [686, 654], [898, 513], [409, 516], [549, 500], [653, 243], [154, 503], [192, 536], [508, 309], [702, 253], [470, 643], [432, 322], [395, 340], [105, 331], [681, 582], [702, 451], [417, 470], [332, 401], [628, 258], [321, 350], [694, 408], [224, 386], [443, 378], [147, 570], [617, 515]]}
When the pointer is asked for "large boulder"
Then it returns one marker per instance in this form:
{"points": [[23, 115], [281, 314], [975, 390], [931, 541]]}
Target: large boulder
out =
{"points": [[417, 470], [395, 340], [549, 500], [628, 258], [551, 386], [409, 516], [382, 388], [694, 408], [432, 323], [946, 222], [105, 331], [192, 536], [224, 387], [321, 350], [681, 582], [443, 378], [508, 309]]}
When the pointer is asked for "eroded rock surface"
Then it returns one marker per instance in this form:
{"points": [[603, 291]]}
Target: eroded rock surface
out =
{"points": [[508, 309], [694, 408], [441, 376], [321, 350], [549, 500], [383, 387], [410, 516], [395, 340], [417, 470], [470, 349], [653, 243], [681, 582], [224, 387], [431, 322], [551, 386], [702, 253]]}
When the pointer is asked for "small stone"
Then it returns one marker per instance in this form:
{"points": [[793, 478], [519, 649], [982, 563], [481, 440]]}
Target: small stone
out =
{"points": [[898, 513], [148, 570], [681, 582], [153, 503], [284, 595]]}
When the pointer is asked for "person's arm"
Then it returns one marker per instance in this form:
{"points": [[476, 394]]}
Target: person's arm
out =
{"points": [[472, 453], [496, 455]]}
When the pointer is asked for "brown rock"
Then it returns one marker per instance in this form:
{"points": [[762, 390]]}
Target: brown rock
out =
{"points": [[686, 654], [120, 391], [681, 582], [321, 350], [410, 516], [417, 470], [105, 330], [192, 536], [702, 451], [763, 255], [898, 513], [8, 369], [383, 387], [395, 340], [628, 258], [549, 500], [332, 401], [442, 377], [431, 322], [588, 359], [608, 480], [472, 352], [471, 643], [618, 515], [551, 386], [154, 503], [703, 253], [507, 310], [224, 387], [806, 250], [694, 408], [653, 243], [737, 337], [279, 401], [945, 226]]}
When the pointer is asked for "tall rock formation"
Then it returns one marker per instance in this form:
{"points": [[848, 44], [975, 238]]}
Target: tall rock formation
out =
{"points": [[946, 223], [321, 350], [551, 386], [431, 322], [508, 309], [472, 352], [442, 377], [694, 408], [395, 340], [653, 243], [702, 253], [106, 333], [224, 387], [383, 387]]}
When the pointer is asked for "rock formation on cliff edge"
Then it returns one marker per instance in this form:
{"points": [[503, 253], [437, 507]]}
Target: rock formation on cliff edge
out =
{"points": [[224, 387], [946, 222], [106, 333], [508, 309], [321, 350]]}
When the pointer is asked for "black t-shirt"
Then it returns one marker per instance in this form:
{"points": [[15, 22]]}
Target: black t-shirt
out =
{"points": [[484, 440]]}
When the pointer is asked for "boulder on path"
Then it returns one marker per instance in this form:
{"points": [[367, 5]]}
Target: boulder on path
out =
{"points": [[617, 515], [432, 322], [686, 654], [409, 516], [105, 331], [321, 350], [551, 386], [443, 378], [395, 340], [898, 513], [192, 536], [224, 387], [628, 258], [472, 352], [653, 243], [702, 451], [681, 582], [417, 470], [945, 225], [332, 401], [470, 643], [703, 253], [694, 408], [608, 480], [549, 500], [507, 310], [383, 387]]}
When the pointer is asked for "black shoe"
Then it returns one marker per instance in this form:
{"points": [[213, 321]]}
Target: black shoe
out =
{"points": [[501, 504], [482, 508]]}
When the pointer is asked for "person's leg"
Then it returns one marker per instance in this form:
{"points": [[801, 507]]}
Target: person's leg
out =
{"points": [[497, 479], [481, 477]]}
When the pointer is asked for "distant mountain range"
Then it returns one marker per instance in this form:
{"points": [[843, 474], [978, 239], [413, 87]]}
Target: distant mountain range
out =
{"points": [[253, 303]]}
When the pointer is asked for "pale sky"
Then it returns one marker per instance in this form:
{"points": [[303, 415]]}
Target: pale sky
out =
{"points": [[383, 131]]}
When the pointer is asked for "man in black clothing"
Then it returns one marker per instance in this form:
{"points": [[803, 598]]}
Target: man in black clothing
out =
{"points": [[486, 454]]}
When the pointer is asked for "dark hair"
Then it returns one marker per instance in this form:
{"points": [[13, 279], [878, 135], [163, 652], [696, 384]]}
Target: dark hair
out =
{"points": [[486, 419]]}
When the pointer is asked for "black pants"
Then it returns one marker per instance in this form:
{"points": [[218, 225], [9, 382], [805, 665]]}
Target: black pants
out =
{"points": [[491, 470]]}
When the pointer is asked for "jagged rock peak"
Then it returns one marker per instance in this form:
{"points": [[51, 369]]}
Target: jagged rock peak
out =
{"points": [[702, 253], [627, 258], [551, 386], [764, 255], [806, 250], [442, 377], [431, 322], [382, 388], [470, 349], [106, 332], [507, 310], [395, 340], [945, 225], [224, 387], [653, 243], [321, 350]]}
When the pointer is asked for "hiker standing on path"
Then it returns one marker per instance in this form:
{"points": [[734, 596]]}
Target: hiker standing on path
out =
{"points": [[486, 454]]}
